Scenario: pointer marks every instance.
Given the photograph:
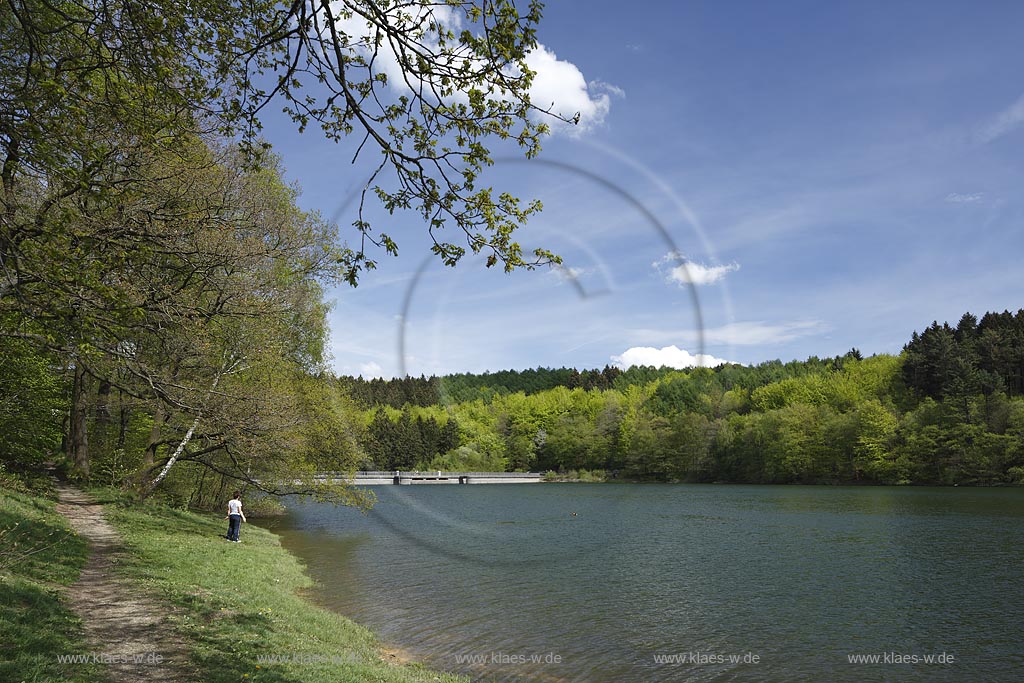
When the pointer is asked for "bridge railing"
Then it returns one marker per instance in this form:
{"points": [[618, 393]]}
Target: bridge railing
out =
{"points": [[377, 474]]}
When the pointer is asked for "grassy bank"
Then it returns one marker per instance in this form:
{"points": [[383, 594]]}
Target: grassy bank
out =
{"points": [[39, 556], [237, 604]]}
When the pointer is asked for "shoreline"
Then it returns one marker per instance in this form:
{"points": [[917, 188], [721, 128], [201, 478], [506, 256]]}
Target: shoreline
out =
{"points": [[245, 609], [391, 652]]}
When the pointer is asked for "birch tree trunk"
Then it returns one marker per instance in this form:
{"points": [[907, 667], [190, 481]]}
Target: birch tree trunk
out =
{"points": [[181, 446]]}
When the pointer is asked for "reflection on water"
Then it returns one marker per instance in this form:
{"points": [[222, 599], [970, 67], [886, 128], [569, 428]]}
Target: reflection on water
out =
{"points": [[480, 578]]}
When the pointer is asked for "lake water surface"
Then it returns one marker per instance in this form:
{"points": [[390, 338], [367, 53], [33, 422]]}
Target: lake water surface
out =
{"points": [[738, 583]]}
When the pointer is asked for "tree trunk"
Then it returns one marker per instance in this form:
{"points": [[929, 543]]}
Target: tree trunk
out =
{"points": [[122, 432], [103, 403], [220, 491], [173, 459], [78, 439], [196, 500], [181, 446], [149, 457]]}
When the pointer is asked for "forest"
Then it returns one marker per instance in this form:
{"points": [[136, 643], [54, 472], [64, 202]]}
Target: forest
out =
{"points": [[948, 410], [162, 319]]}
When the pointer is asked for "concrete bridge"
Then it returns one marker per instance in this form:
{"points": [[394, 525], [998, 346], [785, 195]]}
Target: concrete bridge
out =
{"points": [[403, 477]]}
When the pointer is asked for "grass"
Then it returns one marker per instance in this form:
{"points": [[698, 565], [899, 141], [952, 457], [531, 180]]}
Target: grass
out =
{"points": [[39, 556], [238, 604]]}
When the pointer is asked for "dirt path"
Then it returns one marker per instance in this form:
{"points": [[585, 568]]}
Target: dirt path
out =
{"points": [[127, 630]]}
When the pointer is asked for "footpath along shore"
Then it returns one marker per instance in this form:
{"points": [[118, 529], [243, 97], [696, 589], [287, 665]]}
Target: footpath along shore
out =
{"points": [[129, 632], [164, 597]]}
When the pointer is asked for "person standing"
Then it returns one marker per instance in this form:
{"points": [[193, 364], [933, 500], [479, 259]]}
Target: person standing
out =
{"points": [[235, 517]]}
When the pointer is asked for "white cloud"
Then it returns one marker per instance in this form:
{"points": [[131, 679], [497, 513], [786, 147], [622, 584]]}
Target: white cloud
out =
{"points": [[1003, 122], [668, 356], [608, 87], [958, 198], [371, 370], [558, 85], [754, 333], [687, 272]]}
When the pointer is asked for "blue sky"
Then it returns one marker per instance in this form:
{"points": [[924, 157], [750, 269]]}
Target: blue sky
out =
{"points": [[837, 175]]}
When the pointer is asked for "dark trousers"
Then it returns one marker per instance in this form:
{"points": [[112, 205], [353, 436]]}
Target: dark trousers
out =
{"points": [[234, 524]]}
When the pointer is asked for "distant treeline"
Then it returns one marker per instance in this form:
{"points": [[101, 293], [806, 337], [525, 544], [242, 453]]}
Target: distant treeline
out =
{"points": [[427, 391], [975, 357], [462, 387], [948, 410]]}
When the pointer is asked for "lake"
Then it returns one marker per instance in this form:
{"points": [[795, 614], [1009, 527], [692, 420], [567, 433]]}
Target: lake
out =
{"points": [[629, 582]]}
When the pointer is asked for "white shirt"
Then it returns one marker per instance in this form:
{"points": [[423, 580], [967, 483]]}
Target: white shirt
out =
{"points": [[234, 507]]}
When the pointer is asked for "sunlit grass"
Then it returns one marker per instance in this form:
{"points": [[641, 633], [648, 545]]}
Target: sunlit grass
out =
{"points": [[238, 603], [39, 556]]}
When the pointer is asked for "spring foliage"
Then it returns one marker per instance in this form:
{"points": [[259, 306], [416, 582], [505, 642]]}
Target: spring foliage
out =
{"points": [[160, 292], [948, 410]]}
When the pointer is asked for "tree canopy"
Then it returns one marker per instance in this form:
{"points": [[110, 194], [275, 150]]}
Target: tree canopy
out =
{"points": [[425, 84], [946, 411], [153, 262]]}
